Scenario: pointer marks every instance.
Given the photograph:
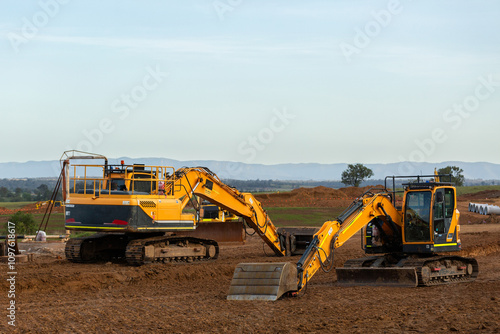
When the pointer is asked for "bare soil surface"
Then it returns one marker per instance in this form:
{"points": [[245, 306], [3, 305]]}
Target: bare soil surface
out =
{"points": [[322, 197], [56, 296]]}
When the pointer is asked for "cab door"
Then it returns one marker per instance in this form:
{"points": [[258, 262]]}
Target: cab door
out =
{"points": [[443, 209], [438, 215]]}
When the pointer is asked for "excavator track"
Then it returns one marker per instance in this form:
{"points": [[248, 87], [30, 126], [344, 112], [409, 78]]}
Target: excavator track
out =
{"points": [[138, 250], [439, 270], [170, 249], [95, 248], [72, 250], [396, 270]]}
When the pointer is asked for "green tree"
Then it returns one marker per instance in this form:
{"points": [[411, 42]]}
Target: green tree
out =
{"points": [[355, 174], [25, 223], [27, 196], [4, 192], [456, 175], [43, 193]]}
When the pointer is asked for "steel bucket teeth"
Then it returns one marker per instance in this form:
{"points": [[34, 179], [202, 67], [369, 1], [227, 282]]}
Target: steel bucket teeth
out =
{"points": [[262, 281]]}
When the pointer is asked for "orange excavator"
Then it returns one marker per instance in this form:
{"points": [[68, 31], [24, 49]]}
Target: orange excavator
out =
{"points": [[407, 244]]}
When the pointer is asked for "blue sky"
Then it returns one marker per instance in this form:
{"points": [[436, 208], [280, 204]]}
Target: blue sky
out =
{"points": [[251, 81]]}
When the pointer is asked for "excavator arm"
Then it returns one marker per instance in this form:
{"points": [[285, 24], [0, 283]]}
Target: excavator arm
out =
{"points": [[202, 182], [334, 234], [259, 281]]}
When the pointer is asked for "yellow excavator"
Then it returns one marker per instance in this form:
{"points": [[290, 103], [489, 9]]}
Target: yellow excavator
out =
{"points": [[408, 238], [139, 212]]}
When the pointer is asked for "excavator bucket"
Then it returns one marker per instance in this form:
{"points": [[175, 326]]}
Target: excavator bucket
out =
{"points": [[361, 276], [262, 281]]}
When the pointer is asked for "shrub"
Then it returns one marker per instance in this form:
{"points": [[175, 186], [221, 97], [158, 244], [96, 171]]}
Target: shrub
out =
{"points": [[25, 223]]}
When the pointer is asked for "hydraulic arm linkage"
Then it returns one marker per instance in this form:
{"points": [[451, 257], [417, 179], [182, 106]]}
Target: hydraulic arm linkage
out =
{"points": [[334, 234]]}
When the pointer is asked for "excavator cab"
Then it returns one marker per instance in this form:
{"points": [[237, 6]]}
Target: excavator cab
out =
{"points": [[429, 222], [430, 218]]}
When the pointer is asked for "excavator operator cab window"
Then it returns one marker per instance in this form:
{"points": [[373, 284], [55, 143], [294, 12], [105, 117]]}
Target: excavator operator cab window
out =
{"points": [[417, 216], [449, 199], [438, 210], [118, 184], [143, 183], [444, 206]]}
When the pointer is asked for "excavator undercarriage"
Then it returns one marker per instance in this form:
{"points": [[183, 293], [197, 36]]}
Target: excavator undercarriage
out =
{"points": [[140, 249], [407, 271]]}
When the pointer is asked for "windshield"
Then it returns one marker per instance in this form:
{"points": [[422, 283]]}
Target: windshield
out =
{"points": [[417, 216]]}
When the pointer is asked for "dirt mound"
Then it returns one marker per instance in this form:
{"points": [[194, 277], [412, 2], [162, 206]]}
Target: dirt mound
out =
{"points": [[482, 250], [313, 197], [320, 191], [467, 217], [485, 194], [94, 277]]}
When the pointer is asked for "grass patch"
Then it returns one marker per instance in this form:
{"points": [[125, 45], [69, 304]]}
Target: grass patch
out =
{"points": [[302, 216]]}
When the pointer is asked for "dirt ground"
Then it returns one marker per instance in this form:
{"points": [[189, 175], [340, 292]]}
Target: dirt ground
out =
{"points": [[56, 296]]}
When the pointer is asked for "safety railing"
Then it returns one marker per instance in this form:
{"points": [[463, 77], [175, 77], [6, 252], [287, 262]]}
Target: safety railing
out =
{"points": [[98, 180]]}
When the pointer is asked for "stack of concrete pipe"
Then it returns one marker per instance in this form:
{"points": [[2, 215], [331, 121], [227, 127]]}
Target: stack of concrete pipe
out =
{"points": [[484, 209]]}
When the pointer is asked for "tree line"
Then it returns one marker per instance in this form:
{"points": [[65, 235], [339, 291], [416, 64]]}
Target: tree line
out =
{"points": [[357, 173], [40, 193]]}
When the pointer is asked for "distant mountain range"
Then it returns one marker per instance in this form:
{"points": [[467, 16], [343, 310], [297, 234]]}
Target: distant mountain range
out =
{"points": [[243, 171]]}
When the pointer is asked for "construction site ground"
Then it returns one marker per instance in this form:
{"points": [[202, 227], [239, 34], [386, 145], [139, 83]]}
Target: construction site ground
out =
{"points": [[56, 296]]}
